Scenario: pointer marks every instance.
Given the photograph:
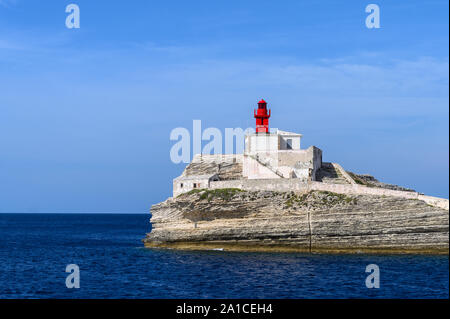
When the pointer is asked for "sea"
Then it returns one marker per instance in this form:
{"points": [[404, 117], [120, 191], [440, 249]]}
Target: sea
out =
{"points": [[35, 250]]}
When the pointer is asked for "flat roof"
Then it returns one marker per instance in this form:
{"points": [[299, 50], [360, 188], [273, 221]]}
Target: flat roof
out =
{"points": [[279, 132], [191, 177]]}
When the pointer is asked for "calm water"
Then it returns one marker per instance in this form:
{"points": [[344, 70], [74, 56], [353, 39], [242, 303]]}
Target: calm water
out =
{"points": [[35, 249]]}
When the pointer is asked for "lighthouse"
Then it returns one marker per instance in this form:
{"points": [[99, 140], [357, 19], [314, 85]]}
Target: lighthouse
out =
{"points": [[263, 142], [268, 158], [262, 117]]}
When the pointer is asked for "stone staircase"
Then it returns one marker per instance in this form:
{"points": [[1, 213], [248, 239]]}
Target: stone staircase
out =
{"points": [[341, 171], [329, 174], [266, 163]]}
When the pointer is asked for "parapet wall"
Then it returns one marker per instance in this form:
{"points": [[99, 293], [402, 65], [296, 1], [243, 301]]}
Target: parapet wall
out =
{"points": [[218, 158], [287, 185], [272, 184], [435, 201]]}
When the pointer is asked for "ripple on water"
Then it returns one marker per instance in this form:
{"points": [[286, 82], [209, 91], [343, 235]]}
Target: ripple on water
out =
{"points": [[35, 249]]}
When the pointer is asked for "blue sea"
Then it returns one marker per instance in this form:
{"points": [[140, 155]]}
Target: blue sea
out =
{"points": [[36, 248]]}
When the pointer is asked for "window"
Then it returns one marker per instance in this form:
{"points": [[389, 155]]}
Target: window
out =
{"points": [[195, 185], [181, 185], [289, 143]]}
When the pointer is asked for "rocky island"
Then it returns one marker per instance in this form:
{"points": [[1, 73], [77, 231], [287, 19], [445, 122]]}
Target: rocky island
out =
{"points": [[279, 197]]}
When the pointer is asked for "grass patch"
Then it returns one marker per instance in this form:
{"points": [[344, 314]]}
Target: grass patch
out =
{"points": [[194, 191], [295, 199], [336, 198], [210, 194], [221, 193]]}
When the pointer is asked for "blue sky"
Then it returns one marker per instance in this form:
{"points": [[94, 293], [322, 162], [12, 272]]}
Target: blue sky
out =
{"points": [[85, 115]]}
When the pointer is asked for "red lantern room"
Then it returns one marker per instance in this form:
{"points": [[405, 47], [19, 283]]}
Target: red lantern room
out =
{"points": [[262, 117]]}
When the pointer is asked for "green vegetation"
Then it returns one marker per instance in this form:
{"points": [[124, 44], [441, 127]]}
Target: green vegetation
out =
{"points": [[210, 194], [194, 191], [222, 193], [291, 199], [335, 198], [319, 198], [295, 199]]}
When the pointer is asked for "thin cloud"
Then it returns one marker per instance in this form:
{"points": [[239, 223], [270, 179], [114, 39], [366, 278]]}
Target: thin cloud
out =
{"points": [[7, 3]]}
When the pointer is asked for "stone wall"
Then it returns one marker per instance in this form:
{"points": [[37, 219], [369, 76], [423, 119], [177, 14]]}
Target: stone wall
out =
{"points": [[258, 177], [287, 185], [218, 158], [252, 169], [434, 201], [186, 184], [280, 184], [226, 184]]}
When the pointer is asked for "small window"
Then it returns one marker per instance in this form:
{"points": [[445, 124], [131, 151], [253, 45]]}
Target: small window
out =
{"points": [[181, 185], [289, 143], [195, 185]]}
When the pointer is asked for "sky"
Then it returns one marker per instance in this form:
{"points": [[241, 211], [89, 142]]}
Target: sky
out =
{"points": [[86, 114]]}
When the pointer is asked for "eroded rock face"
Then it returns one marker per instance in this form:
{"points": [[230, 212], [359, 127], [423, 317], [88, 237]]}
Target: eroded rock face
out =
{"points": [[233, 219]]}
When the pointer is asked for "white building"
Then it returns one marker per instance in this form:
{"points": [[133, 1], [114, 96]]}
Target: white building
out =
{"points": [[267, 142], [266, 156]]}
